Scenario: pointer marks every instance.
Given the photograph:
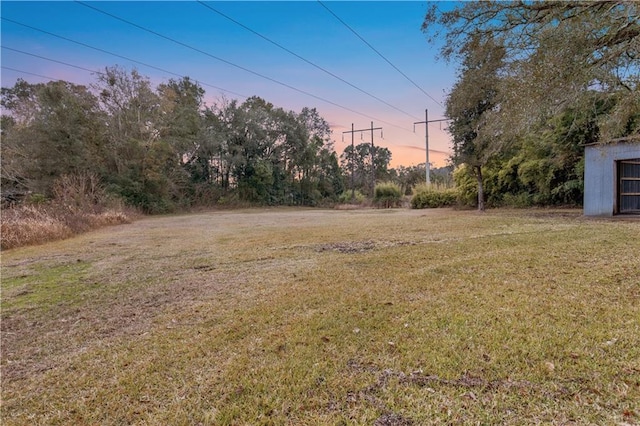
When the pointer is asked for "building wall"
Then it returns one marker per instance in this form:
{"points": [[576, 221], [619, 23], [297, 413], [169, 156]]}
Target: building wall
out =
{"points": [[600, 175]]}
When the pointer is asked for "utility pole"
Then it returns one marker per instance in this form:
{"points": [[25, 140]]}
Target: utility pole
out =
{"points": [[426, 127], [353, 153], [373, 165]]}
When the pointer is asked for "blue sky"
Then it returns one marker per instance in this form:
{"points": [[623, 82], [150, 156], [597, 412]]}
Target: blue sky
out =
{"points": [[306, 28]]}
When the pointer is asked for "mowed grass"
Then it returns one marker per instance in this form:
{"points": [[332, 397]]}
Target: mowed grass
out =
{"points": [[321, 317]]}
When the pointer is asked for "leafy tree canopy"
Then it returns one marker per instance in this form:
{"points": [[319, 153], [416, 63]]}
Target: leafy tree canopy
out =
{"points": [[556, 52], [160, 148]]}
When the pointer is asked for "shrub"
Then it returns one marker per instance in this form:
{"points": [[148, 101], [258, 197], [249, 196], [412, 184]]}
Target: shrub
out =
{"points": [[387, 194], [425, 196], [345, 197], [36, 224], [79, 193], [467, 186]]}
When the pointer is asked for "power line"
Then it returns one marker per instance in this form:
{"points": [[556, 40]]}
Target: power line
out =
{"points": [[99, 72], [30, 73], [195, 49], [379, 54], [302, 58], [116, 55], [151, 66], [52, 60]]}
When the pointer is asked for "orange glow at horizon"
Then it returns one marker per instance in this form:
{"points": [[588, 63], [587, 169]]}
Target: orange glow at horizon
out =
{"points": [[406, 155], [410, 156]]}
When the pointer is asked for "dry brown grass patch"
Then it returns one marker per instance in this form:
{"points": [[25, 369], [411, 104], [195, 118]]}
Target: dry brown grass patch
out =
{"points": [[30, 225], [36, 224]]}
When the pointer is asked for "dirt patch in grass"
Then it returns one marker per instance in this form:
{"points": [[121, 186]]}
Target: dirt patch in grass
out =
{"points": [[348, 247], [392, 419]]}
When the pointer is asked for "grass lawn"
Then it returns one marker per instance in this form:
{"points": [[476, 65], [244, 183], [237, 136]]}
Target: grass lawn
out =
{"points": [[327, 317]]}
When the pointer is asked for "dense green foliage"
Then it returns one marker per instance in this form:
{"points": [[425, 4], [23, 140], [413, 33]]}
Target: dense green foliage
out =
{"points": [[352, 197], [162, 149], [409, 177], [431, 196], [537, 81]]}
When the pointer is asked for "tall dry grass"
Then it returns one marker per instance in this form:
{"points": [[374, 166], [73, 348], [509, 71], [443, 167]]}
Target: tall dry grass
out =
{"points": [[80, 204]]}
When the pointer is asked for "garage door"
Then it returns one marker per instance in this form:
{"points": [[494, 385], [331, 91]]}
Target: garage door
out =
{"points": [[629, 186]]}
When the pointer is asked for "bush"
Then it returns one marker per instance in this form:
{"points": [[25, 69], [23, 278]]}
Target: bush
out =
{"points": [[345, 197], [425, 196], [79, 193], [387, 194], [36, 224], [467, 186]]}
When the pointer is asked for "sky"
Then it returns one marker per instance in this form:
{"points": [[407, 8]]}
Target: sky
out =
{"points": [[356, 62]]}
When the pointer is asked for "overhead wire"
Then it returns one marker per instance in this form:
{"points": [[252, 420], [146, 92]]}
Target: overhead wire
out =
{"points": [[30, 73], [51, 60], [379, 54], [302, 58], [117, 55], [195, 49], [66, 64], [59, 79]]}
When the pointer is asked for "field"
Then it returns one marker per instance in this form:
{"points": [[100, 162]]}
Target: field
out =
{"points": [[327, 317]]}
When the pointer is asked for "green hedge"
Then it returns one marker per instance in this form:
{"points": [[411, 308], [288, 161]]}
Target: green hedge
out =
{"points": [[430, 197]]}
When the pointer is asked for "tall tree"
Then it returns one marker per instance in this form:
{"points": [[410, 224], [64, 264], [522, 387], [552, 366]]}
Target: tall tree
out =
{"points": [[556, 52], [139, 161], [182, 108], [134, 114], [183, 128], [472, 100], [307, 145]]}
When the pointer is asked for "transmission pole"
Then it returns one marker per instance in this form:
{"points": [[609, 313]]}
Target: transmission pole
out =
{"points": [[353, 154], [426, 127], [373, 165]]}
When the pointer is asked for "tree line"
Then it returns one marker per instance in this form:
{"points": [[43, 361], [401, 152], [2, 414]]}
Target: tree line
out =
{"points": [[162, 148], [536, 82]]}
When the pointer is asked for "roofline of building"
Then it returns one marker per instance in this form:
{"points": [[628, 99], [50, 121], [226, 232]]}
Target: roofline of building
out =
{"points": [[630, 138]]}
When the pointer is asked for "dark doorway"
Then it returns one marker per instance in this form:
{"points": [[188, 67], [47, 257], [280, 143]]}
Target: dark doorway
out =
{"points": [[629, 186]]}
